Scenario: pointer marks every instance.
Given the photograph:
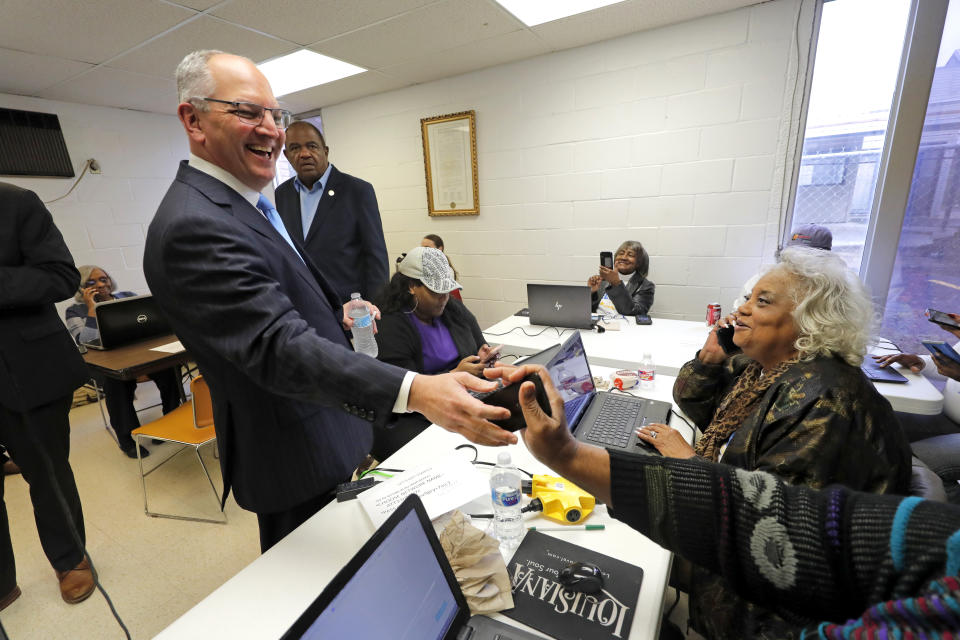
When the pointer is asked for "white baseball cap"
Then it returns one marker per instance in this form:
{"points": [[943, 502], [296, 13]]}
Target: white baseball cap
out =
{"points": [[429, 266]]}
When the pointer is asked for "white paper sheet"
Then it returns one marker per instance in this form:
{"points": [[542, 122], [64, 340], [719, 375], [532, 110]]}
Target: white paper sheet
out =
{"points": [[444, 485], [173, 347]]}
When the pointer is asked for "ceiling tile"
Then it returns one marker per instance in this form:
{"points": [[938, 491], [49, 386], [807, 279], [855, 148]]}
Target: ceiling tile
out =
{"points": [[25, 73], [114, 88], [363, 84], [470, 57], [90, 31], [161, 57], [415, 34], [628, 17], [308, 21]]}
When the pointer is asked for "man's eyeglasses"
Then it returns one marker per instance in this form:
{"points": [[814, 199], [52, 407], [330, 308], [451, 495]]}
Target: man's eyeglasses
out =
{"points": [[250, 113], [91, 282]]}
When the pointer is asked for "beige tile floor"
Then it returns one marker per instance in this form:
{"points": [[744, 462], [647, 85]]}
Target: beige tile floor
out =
{"points": [[154, 569]]}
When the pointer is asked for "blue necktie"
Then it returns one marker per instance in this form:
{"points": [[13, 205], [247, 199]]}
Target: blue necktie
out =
{"points": [[274, 218]]}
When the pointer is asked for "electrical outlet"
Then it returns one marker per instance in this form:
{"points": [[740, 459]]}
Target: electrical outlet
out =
{"points": [[94, 165]]}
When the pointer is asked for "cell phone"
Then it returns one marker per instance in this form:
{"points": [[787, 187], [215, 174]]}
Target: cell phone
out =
{"points": [[509, 398], [942, 348], [940, 317], [493, 355], [725, 338], [606, 259], [641, 319]]}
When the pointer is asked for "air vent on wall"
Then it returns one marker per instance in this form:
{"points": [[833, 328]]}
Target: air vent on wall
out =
{"points": [[31, 144]]}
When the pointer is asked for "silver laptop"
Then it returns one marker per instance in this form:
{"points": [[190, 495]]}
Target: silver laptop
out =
{"points": [[400, 586], [128, 320], [559, 305], [604, 419]]}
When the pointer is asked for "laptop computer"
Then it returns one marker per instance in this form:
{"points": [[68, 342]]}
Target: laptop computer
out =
{"points": [[559, 305], [400, 586], [875, 373], [128, 320], [603, 418]]}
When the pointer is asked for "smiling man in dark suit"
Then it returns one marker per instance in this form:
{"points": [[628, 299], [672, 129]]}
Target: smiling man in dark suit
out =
{"points": [[293, 404], [333, 215]]}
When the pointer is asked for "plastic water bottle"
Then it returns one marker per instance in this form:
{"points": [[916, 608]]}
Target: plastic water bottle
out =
{"points": [[363, 340], [646, 372], [505, 493]]}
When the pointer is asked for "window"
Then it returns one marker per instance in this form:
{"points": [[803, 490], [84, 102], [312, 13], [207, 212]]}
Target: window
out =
{"points": [[926, 271], [854, 79]]}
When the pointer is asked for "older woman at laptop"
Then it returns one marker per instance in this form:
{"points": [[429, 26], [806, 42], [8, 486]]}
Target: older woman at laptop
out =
{"points": [[788, 397], [626, 284], [97, 286], [425, 330], [827, 563]]}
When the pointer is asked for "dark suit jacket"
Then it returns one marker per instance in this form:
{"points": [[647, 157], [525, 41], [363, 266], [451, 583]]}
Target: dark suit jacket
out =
{"points": [[265, 331], [632, 297], [345, 238], [39, 362]]}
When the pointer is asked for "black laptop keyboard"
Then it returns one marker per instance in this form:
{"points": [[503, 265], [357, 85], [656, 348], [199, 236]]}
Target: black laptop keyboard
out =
{"points": [[614, 425]]}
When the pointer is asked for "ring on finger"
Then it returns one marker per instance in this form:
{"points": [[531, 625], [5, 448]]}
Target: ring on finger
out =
{"points": [[653, 434]]}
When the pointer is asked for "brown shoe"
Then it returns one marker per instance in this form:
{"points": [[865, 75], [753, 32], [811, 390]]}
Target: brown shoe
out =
{"points": [[76, 584], [8, 599], [10, 468]]}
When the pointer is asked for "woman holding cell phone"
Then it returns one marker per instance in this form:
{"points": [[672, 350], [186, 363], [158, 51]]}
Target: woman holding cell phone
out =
{"points": [[624, 280], [936, 439]]}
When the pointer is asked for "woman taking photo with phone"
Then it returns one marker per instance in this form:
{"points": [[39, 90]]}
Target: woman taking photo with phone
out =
{"points": [[97, 286], [625, 281]]}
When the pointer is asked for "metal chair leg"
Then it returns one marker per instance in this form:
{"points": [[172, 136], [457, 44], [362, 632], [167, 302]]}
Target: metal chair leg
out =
{"points": [[103, 415], [156, 514]]}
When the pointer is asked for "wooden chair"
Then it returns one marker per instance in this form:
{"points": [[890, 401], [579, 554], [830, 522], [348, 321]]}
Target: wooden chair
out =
{"points": [[190, 425]]}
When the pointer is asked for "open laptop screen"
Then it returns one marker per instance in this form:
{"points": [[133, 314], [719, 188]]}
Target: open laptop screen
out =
{"points": [[400, 592], [571, 374]]}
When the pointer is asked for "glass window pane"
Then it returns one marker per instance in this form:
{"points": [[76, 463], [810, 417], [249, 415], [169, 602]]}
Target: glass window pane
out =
{"points": [[854, 76], [927, 266]]}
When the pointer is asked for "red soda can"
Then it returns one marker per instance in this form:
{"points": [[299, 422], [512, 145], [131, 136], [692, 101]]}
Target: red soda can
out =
{"points": [[713, 313]]}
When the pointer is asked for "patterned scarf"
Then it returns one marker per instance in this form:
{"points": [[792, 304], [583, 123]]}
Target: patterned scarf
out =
{"points": [[737, 405]]}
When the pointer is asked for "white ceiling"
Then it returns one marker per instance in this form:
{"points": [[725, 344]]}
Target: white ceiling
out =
{"points": [[122, 53]]}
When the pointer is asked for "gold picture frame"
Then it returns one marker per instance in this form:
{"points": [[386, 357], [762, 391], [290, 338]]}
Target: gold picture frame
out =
{"points": [[450, 162]]}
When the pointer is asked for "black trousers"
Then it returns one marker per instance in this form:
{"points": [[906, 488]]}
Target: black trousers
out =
{"points": [[275, 526], [27, 437], [119, 398]]}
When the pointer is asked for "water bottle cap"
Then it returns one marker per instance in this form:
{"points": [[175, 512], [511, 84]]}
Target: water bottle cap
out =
{"points": [[503, 459], [355, 296], [647, 356]]}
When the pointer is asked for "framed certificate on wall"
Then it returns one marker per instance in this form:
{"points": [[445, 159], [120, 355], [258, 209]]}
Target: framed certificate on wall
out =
{"points": [[450, 162]]}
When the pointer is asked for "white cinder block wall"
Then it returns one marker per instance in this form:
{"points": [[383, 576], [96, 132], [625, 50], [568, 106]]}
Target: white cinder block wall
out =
{"points": [[104, 220], [675, 137]]}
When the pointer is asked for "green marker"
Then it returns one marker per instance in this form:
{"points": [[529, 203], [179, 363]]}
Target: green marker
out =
{"points": [[573, 527]]}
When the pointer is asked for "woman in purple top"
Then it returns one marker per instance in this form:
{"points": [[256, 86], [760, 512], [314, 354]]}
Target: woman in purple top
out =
{"points": [[423, 329]]}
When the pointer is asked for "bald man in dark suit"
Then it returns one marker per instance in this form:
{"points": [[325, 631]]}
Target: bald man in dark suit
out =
{"points": [[333, 215]]}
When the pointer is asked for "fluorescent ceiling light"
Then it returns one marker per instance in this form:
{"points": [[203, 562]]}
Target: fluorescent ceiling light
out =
{"points": [[303, 69], [534, 12]]}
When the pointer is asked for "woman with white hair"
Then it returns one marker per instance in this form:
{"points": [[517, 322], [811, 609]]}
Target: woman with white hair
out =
{"points": [[96, 285], [794, 403]]}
